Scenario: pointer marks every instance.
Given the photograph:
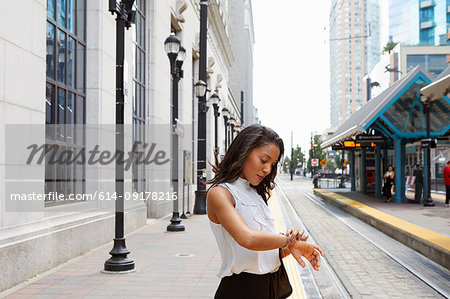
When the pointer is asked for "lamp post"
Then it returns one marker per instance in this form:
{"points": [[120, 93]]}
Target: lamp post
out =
{"points": [[119, 261], [215, 100], [231, 123], [200, 194], [200, 199], [226, 115], [176, 54], [291, 169]]}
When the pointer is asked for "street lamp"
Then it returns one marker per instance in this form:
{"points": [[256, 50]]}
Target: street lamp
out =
{"points": [[119, 261], [215, 100], [176, 54], [231, 123], [226, 115], [200, 193], [238, 129], [200, 88]]}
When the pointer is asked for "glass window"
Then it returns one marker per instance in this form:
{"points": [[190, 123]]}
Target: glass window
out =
{"points": [[61, 41], [71, 63], [138, 94], [50, 57], [71, 15], [81, 19], [49, 110], [70, 116], [81, 50], [51, 9], [61, 12], [65, 87], [61, 113]]}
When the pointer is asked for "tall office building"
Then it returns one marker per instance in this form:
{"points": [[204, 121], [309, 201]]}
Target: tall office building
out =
{"points": [[419, 22], [354, 51]]}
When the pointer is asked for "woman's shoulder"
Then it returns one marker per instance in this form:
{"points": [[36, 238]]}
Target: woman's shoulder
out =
{"points": [[219, 192]]}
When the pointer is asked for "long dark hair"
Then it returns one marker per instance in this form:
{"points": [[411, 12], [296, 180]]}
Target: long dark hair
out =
{"points": [[230, 168]]}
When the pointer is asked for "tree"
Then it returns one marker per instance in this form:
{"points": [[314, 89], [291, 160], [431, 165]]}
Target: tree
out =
{"points": [[389, 46]]}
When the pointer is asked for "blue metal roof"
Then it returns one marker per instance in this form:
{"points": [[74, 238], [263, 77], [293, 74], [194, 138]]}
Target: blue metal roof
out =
{"points": [[397, 112]]}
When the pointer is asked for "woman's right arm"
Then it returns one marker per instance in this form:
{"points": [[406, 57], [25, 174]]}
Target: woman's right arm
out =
{"points": [[221, 205]]}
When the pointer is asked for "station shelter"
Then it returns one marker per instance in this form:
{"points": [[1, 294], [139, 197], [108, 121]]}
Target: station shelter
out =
{"points": [[389, 123]]}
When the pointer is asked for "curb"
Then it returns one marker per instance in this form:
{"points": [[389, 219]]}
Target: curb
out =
{"points": [[431, 250]]}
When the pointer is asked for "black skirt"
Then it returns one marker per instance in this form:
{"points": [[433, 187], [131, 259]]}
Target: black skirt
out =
{"points": [[258, 286], [244, 285]]}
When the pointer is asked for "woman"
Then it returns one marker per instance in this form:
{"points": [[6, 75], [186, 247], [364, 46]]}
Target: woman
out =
{"points": [[388, 181], [240, 219]]}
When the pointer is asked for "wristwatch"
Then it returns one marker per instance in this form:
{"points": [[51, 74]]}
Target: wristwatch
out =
{"points": [[287, 241]]}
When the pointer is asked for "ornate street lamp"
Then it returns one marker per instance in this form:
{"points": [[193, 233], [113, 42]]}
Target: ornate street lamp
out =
{"points": [[215, 100], [176, 54], [231, 123], [226, 115], [200, 193], [200, 89], [119, 261]]}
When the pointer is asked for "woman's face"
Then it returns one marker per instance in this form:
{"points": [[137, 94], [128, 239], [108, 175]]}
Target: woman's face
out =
{"points": [[390, 168], [259, 163]]}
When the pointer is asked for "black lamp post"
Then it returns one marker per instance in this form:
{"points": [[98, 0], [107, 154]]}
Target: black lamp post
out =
{"points": [[200, 89], [231, 123], [200, 194], [215, 100], [226, 115], [176, 54], [119, 261]]}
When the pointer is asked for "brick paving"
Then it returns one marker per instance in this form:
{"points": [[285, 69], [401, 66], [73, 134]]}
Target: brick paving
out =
{"points": [[160, 273]]}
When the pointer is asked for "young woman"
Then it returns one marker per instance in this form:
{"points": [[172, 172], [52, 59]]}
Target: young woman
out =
{"points": [[240, 218], [388, 182]]}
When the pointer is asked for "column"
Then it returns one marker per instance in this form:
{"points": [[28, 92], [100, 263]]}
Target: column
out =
{"points": [[378, 171], [398, 166], [352, 170], [363, 171]]}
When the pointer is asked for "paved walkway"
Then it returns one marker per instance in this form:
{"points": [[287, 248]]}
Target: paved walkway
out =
{"points": [[168, 265]]}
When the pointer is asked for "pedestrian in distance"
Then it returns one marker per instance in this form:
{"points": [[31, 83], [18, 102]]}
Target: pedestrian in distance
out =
{"points": [[237, 207], [447, 183], [388, 182], [418, 184]]}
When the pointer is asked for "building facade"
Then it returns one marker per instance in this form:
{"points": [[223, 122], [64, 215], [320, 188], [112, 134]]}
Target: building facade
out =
{"points": [[354, 49], [419, 22], [64, 50]]}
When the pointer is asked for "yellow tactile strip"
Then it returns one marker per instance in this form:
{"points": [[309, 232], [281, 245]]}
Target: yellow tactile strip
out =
{"points": [[413, 229], [289, 262]]}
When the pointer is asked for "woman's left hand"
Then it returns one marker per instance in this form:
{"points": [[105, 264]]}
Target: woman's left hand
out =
{"points": [[294, 235]]}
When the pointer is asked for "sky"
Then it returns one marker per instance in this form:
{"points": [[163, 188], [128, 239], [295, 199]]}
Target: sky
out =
{"points": [[291, 68]]}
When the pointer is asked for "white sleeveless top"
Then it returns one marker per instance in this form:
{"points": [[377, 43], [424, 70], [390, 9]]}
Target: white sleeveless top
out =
{"points": [[235, 258]]}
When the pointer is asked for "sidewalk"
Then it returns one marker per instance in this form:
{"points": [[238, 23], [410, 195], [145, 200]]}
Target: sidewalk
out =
{"points": [[168, 265], [425, 229]]}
